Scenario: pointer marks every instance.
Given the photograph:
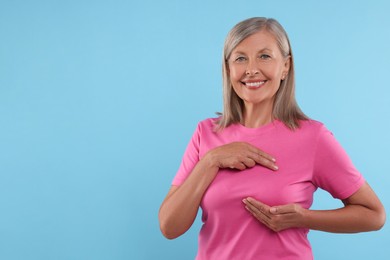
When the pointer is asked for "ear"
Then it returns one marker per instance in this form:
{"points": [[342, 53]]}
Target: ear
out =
{"points": [[287, 65]]}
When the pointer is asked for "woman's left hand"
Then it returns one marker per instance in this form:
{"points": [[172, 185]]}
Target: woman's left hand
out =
{"points": [[277, 218]]}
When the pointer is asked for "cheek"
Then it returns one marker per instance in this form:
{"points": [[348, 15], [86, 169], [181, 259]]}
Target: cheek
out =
{"points": [[236, 73], [237, 88], [270, 72], [233, 77], [278, 71]]}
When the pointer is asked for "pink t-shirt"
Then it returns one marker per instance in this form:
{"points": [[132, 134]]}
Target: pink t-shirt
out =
{"points": [[308, 157]]}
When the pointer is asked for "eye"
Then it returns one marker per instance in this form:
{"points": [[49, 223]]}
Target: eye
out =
{"points": [[240, 59], [264, 57]]}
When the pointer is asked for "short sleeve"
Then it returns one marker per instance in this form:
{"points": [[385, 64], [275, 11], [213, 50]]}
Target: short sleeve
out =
{"points": [[333, 169], [189, 160]]}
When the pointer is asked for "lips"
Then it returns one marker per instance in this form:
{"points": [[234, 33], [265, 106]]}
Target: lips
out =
{"points": [[254, 84]]}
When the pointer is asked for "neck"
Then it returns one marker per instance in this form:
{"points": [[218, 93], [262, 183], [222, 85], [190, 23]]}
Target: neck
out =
{"points": [[256, 116]]}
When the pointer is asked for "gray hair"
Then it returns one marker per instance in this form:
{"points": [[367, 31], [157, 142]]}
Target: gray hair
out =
{"points": [[285, 107]]}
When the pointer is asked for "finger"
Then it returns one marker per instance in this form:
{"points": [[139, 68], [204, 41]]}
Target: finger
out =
{"points": [[263, 154], [239, 166], [249, 162], [256, 203], [257, 207], [257, 213], [264, 161], [283, 209], [261, 213], [266, 155], [243, 163]]}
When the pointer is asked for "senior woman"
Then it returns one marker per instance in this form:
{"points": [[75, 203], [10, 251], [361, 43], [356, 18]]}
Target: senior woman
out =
{"points": [[254, 169]]}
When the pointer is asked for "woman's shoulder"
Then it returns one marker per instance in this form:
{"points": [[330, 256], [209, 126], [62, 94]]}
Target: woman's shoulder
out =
{"points": [[312, 126], [209, 123], [310, 123]]}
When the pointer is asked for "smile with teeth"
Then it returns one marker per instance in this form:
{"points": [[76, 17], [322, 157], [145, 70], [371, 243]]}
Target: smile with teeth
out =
{"points": [[254, 84]]}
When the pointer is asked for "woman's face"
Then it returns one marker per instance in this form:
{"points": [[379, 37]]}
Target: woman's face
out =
{"points": [[256, 68]]}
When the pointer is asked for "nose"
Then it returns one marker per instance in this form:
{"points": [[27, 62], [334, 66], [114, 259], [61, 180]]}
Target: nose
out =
{"points": [[252, 69]]}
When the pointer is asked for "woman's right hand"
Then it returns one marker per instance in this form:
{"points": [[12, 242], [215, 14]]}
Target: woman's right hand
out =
{"points": [[179, 209], [240, 155]]}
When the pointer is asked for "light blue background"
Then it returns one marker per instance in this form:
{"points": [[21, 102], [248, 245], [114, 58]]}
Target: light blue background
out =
{"points": [[98, 100]]}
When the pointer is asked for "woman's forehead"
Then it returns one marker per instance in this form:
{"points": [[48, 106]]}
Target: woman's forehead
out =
{"points": [[259, 41]]}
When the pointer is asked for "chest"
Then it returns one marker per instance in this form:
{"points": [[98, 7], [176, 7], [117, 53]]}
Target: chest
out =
{"points": [[292, 183], [284, 186]]}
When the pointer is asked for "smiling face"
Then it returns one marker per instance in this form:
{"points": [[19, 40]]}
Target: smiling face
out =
{"points": [[256, 68]]}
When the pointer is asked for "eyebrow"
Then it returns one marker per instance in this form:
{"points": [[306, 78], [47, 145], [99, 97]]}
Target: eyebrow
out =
{"points": [[262, 50]]}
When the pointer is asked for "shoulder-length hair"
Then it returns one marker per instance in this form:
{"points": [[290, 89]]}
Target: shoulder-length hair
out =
{"points": [[285, 106]]}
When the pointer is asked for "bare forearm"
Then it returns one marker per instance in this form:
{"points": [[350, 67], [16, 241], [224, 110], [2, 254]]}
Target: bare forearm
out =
{"points": [[363, 211], [178, 211], [349, 219]]}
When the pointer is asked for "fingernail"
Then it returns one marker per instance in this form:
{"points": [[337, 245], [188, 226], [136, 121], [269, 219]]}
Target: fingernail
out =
{"points": [[273, 159], [276, 167], [273, 210]]}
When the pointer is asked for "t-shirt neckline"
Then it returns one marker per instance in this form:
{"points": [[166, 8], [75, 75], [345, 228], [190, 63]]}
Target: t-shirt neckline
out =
{"points": [[257, 130]]}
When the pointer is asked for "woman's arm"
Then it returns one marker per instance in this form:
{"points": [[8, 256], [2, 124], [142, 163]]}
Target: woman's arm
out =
{"points": [[362, 212], [179, 208]]}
